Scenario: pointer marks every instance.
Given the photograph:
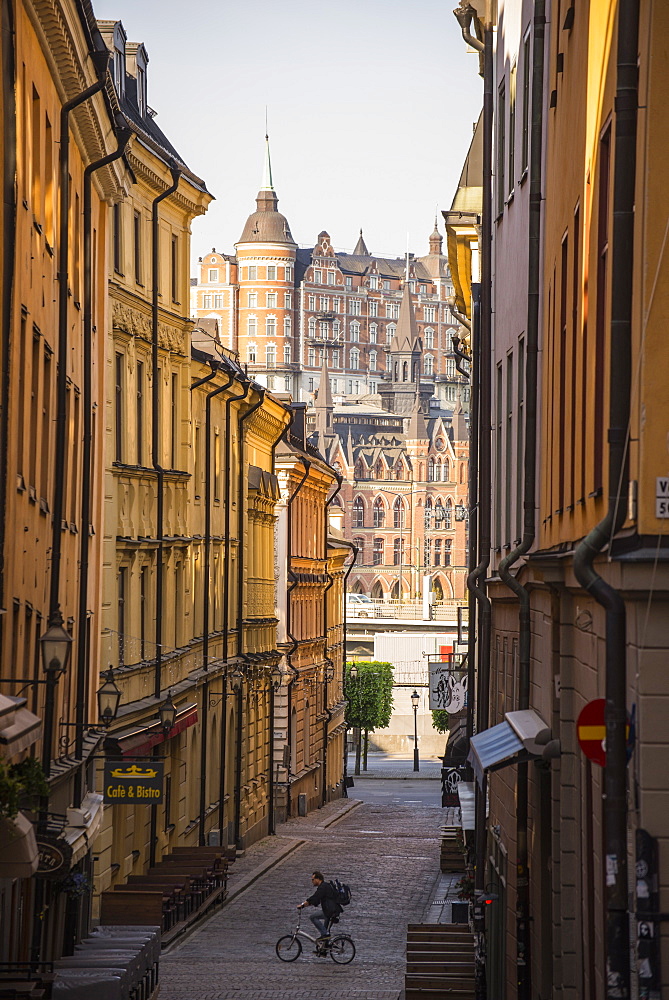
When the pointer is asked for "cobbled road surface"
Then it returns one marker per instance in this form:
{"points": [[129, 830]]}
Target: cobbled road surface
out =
{"points": [[388, 853]]}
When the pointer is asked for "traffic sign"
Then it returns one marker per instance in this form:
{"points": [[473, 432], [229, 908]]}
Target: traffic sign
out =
{"points": [[591, 731]]}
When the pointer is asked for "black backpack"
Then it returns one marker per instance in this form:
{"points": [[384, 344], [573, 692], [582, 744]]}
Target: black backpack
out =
{"points": [[342, 892]]}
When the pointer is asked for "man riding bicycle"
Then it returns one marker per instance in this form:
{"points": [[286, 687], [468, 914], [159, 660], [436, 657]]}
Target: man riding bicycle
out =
{"points": [[324, 897]]}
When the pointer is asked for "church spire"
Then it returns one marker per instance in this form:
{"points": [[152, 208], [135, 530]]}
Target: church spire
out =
{"points": [[324, 408], [436, 241], [267, 184], [361, 247]]}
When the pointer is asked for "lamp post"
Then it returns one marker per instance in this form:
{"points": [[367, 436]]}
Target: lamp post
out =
{"points": [[415, 700], [352, 677], [55, 647]]}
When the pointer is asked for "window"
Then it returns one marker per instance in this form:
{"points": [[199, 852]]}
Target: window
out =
{"points": [[355, 358], [253, 300], [311, 385], [430, 470], [430, 314], [116, 236], [137, 246], [358, 513], [336, 328], [312, 302], [450, 367], [218, 301], [501, 146], [287, 384], [140, 412], [412, 286], [270, 355], [447, 551], [119, 407], [286, 354], [335, 359], [318, 277], [360, 546], [311, 326], [398, 513], [602, 291], [373, 332], [427, 552], [379, 471], [428, 364], [252, 354], [427, 515], [174, 425], [174, 268], [398, 551], [349, 281], [251, 326], [288, 300], [311, 357], [324, 303], [355, 332], [289, 273], [393, 310], [429, 338], [213, 274], [336, 303], [379, 513], [448, 514], [122, 583], [271, 272], [390, 332], [377, 552], [372, 361], [331, 278], [512, 130], [271, 300], [206, 301], [437, 552], [373, 281], [323, 330], [253, 273], [386, 285], [270, 326], [373, 307], [438, 511], [527, 92], [354, 307], [287, 326]]}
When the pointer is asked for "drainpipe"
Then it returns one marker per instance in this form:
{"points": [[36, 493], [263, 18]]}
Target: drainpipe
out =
{"points": [[245, 385], [617, 973], [55, 613], [123, 135], [205, 595], [241, 519], [155, 429], [8, 252], [472, 554], [289, 622], [328, 661], [523, 936], [461, 356], [476, 581], [354, 553]]}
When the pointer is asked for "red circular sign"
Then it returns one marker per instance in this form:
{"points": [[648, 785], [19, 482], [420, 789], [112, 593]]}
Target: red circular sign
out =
{"points": [[591, 731]]}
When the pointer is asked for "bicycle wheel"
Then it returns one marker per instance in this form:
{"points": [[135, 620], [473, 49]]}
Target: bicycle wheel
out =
{"points": [[342, 949], [288, 948]]}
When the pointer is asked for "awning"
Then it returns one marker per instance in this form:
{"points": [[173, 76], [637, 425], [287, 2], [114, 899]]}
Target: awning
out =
{"points": [[19, 856], [139, 740], [467, 797], [19, 728], [83, 825], [522, 736]]}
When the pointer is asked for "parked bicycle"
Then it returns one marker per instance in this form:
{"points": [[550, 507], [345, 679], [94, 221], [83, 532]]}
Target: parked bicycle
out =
{"points": [[339, 947]]}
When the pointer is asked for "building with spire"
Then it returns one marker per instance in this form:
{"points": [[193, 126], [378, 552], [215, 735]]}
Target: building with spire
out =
{"points": [[292, 311]]}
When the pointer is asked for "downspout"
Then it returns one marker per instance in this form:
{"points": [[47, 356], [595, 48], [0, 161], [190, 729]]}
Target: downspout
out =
{"points": [[289, 616], [529, 459], [155, 436], [8, 251], [476, 581], [246, 385], [205, 594], [8, 258], [461, 356], [241, 519], [55, 613], [123, 135], [326, 711], [354, 552], [614, 806], [473, 549]]}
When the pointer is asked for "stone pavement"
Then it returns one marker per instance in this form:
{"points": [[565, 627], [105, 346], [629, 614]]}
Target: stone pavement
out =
{"points": [[388, 853], [388, 765]]}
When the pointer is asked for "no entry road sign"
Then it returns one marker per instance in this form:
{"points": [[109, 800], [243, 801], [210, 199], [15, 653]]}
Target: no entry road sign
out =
{"points": [[591, 731]]}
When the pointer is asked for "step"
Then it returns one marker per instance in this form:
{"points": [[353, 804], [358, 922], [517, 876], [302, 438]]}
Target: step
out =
{"points": [[422, 967]]}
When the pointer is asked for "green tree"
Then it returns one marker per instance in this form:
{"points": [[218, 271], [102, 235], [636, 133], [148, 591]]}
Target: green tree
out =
{"points": [[369, 699], [441, 720]]}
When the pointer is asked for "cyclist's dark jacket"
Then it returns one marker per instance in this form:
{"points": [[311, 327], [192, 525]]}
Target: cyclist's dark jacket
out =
{"points": [[326, 897]]}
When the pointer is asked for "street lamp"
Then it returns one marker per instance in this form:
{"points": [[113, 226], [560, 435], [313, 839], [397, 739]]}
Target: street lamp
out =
{"points": [[415, 701], [167, 713], [55, 647], [109, 697]]}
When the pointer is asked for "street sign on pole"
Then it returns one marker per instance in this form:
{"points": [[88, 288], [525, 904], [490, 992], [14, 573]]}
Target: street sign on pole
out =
{"points": [[591, 731]]}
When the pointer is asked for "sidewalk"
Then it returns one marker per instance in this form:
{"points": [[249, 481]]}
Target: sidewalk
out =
{"points": [[393, 765]]}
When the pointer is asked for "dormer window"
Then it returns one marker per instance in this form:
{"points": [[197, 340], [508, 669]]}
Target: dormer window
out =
{"points": [[118, 51], [141, 61]]}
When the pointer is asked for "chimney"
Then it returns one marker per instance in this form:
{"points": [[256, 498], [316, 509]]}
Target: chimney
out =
{"points": [[298, 428]]}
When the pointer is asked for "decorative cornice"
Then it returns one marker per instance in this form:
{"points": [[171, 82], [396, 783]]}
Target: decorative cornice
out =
{"points": [[143, 171], [137, 324]]}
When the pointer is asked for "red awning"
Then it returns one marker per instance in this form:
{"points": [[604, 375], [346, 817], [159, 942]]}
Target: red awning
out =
{"points": [[139, 740]]}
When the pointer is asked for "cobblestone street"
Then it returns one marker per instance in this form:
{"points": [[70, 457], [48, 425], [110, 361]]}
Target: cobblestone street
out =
{"points": [[388, 853]]}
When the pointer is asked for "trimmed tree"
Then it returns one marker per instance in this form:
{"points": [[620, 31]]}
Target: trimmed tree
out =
{"points": [[369, 700]]}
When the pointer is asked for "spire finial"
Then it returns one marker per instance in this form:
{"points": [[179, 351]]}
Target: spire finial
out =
{"points": [[267, 184]]}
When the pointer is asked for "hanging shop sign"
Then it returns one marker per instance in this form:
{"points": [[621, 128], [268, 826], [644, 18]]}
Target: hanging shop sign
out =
{"points": [[591, 731], [448, 687], [127, 783], [55, 856]]}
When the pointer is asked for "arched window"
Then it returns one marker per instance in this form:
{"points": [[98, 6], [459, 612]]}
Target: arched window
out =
{"points": [[372, 361], [428, 514], [437, 552], [390, 332], [405, 371], [414, 377], [447, 551], [359, 471], [429, 338], [446, 471], [448, 514], [430, 470], [358, 513], [396, 370], [379, 511], [462, 472], [399, 470], [360, 545], [437, 471], [312, 326], [377, 555], [428, 364], [395, 591], [355, 331], [373, 331], [398, 513], [355, 358]]}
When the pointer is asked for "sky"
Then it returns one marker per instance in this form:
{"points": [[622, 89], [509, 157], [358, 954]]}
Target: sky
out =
{"points": [[370, 108]]}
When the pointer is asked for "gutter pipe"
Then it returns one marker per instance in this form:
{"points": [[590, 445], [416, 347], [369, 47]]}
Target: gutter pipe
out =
{"points": [[523, 936], [614, 805], [155, 439], [123, 136], [326, 710], [245, 385], [461, 356], [240, 606]]}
